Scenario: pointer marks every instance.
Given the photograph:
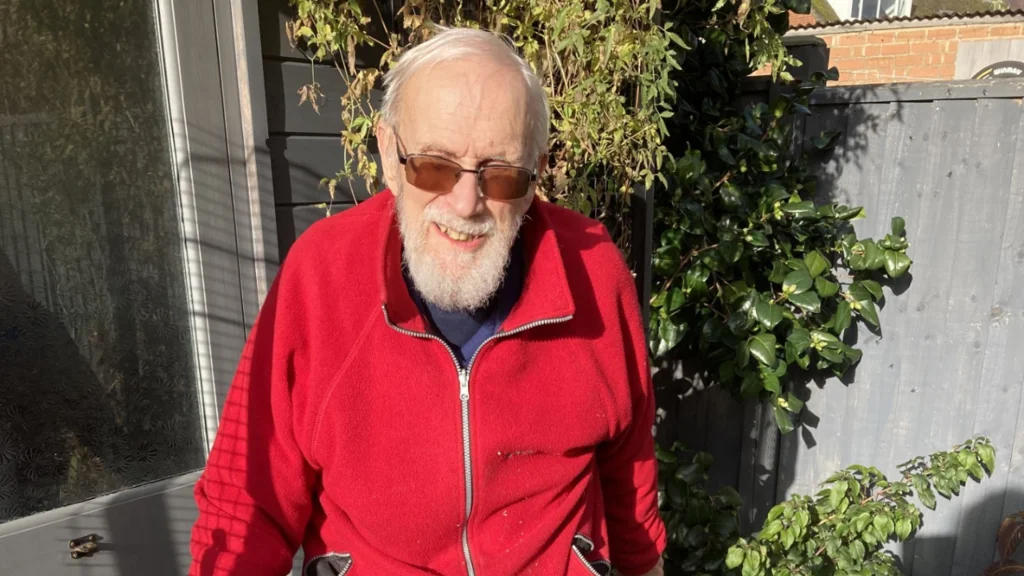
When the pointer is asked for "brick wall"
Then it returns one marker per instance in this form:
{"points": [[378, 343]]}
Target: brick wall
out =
{"points": [[910, 52], [802, 19], [907, 55]]}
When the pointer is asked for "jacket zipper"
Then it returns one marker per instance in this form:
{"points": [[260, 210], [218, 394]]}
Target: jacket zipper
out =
{"points": [[467, 460], [583, 559], [307, 563]]}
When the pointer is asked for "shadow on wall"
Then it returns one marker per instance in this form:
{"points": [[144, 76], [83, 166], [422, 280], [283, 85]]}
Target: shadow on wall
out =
{"points": [[927, 555]]}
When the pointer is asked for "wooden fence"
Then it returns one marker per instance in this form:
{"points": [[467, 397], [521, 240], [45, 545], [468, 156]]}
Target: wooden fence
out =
{"points": [[948, 363]]}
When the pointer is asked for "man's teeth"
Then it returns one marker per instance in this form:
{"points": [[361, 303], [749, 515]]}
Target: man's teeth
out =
{"points": [[456, 235]]}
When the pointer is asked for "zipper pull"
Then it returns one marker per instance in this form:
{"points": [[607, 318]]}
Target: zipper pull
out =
{"points": [[464, 384]]}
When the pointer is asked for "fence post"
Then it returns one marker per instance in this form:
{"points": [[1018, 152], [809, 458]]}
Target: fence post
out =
{"points": [[642, 245]]}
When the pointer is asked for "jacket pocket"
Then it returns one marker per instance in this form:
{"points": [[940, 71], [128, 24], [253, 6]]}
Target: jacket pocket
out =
{"points": [[579, 565], [332, 564]]}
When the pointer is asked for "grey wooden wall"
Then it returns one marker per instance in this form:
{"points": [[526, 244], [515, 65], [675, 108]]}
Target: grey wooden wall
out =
{"points": [[949, 361], [305, 146]]}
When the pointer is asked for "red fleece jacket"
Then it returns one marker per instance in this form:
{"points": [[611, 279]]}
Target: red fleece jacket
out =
{"points": [[351, 432]]}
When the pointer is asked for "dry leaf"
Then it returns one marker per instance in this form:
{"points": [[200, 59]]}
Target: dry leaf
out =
{"points": [[742, 11], [1010, 535], [352, 55]]}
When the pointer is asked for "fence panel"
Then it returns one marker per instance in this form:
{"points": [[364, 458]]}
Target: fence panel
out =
{"points": [[948, 363]]}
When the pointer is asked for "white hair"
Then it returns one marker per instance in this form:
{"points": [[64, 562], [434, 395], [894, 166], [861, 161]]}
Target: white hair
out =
{"points": [[458, 43]]}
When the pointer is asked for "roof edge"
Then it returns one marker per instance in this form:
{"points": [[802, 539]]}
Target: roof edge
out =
{"points": [[907, 22]]}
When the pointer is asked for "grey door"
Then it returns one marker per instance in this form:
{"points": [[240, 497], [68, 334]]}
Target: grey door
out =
{"points": [[131, 266]]}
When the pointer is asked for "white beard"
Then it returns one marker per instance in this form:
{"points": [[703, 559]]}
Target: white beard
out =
{"points": [[448, 278]]}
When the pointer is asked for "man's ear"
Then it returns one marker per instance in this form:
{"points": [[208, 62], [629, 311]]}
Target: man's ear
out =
{"points": [[386, 146], [542, 164]]}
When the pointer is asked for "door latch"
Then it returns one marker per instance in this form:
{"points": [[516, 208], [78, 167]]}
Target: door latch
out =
{"points": [[84, 546]]}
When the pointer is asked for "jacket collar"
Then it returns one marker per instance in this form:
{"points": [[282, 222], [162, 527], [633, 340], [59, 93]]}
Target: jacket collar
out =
{"points": [[545, 295]]}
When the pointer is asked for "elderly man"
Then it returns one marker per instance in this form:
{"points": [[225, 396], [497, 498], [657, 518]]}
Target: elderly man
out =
{"points": [[450, 378]]}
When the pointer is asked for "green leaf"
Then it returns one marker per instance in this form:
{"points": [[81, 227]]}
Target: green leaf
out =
{"points": [[924, 491], [796, 282], [762, 347], [752, 563], [730, 496], [987, 454], [730, 251], [803, 209], [737, 323], [857, 550], [860, 293], [835, 497], [735, 291], [873, 288], [768, 314], [788, 537], [679, 41], [884, 524], [816, 263], [869, 312], [690, 473], [731, 195], [670, 334], [742, 354], [665, 455], [974, 469], [891, 265], [865, 255], [756, 238], [782, 419], [826, 140], [808, 301], [800, 338], [847, 214], [726, 155], [770, 530], [861, 522], [770, 382], [831, 353], [734, 557], [794, 404], [898, 225], [779, 272], [903, 529], [675, 300], [697, 277], [900, 265], [825, 288], [751, 385], [825, 337], [666, 260]]}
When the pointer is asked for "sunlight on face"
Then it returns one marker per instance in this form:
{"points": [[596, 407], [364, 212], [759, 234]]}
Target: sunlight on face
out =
{"points": [[456, 245]]}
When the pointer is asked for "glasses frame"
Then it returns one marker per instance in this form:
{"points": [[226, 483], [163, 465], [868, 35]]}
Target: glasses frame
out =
{"points": [[403, 159]]}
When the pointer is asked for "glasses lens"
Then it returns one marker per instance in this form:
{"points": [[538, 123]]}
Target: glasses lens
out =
{"points": [[503, 183], [432, 174]]}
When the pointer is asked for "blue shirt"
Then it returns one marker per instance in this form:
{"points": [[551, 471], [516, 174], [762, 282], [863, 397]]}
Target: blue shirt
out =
{"points": [[466, 331]]}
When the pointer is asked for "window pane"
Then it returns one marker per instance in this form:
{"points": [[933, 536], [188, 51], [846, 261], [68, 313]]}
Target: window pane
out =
{"points": [[98, 389], [870, 10]]}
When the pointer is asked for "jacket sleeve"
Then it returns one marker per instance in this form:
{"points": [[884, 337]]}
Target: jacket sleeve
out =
{"points": [[254, 497], [627, 464]]}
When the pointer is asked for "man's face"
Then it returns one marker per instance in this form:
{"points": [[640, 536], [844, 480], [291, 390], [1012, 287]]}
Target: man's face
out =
{"points": [[473, 112]]}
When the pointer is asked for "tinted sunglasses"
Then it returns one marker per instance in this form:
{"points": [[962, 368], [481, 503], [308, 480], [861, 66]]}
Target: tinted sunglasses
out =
{"points": [[439, 175]]}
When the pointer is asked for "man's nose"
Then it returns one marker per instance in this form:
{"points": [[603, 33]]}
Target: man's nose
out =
{"points": [[465, 199]]}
